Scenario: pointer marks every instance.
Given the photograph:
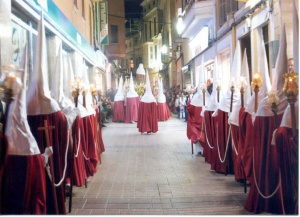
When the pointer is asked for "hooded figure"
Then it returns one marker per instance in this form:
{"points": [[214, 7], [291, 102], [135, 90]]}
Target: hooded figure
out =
{"points": [[194, 121], [265, 155], [163, 111], [246, 129], [45, 118], [119, 103], [287, 145], [233, 120], [208, 121], [72, 114], [24, 185], [220, 162], [132, 103], [147, 117], [86, 157]]}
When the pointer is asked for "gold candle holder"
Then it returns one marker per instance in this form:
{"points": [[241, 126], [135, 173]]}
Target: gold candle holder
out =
{"points": [[232, 89], [203, 87], [76, 87], [242, 89], [273, 102], [290, 89], [256, 84]]}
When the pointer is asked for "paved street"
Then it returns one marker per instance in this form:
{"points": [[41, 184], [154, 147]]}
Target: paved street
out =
{"points": [[154, 175]]}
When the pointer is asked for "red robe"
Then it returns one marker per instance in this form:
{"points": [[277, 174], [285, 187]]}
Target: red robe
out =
{"points": [[219, 162], [78, 144], [132, 109], [238, 169], [98, 131], [210, 135], [90, 148], [265, 169], [24, 186], [163, 111], [147, 120], [119, 111], [288, 161], [245, 144], [194, 124], [59, 141]]}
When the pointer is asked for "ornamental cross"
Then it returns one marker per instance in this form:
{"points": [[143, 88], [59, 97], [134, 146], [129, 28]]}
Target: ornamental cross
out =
{"points": [[47, 128]]}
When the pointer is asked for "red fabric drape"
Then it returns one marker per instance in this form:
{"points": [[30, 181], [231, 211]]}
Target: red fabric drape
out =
{"points": [[24, 185], [220, 146], [59, 141], [194, 123], [147, 120], [78, 144], [266, 168], [90, 149], [163, 111], [209, 124], [132, 109], [245, 145], [288, 160], [238, 169], [98, 131], [118, 111]]}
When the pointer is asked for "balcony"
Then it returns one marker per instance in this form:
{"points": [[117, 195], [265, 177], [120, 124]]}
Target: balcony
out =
{"points": [[196, 15]]}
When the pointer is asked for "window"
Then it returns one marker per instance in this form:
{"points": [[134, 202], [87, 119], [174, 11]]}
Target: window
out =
{"points": [[145, 32], [114, 34], [150, 28], [227, 7], [75, 3], [155, 51], [154, 25], [83, 10]]}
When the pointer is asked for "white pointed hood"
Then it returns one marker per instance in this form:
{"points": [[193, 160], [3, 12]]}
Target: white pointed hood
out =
{"points": [[140, 70], [131, 92], [161, 98], [197, 99], [286, 119], [39, 100], [70, 77], [21, 141], [235, 71], [281, 67], [148, 96], [234, 116], [120, 95], [263, 69], [66, 105]]}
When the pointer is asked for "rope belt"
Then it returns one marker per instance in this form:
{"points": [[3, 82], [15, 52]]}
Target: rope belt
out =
{"points": [[207, 141], [233, 145], [65, 168], [76, 155], [229, 130]]}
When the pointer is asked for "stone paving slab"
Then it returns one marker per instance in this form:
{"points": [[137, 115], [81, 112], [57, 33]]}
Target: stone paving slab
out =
{"points": [[156, 175]]}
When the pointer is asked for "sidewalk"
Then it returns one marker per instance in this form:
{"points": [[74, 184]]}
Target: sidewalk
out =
{"points": [[156, 174]]}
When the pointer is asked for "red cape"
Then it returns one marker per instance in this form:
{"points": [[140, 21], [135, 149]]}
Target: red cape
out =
{"points": [[119, 111], [194, 124], [24, 186], [163, 111], [147, 120], [266, 168], [210, 135], [288, 155], [132, 109], [59, 141]]}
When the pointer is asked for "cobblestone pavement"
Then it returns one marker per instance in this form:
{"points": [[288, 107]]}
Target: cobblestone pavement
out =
{"points": [[156, 175]]}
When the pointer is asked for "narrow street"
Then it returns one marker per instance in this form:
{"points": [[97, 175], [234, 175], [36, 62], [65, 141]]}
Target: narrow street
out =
{"points": [[155, 175]]}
